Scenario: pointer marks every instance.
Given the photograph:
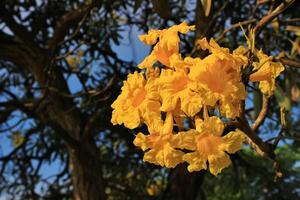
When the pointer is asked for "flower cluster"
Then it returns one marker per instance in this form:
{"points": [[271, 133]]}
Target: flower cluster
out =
{"points": [[184, 100]]}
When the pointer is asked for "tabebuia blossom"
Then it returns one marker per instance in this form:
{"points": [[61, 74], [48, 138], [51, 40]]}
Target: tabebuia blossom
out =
{"points": [[186, 101]]}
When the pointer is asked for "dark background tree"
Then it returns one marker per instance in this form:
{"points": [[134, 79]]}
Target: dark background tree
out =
{"points": [[44, 43]]}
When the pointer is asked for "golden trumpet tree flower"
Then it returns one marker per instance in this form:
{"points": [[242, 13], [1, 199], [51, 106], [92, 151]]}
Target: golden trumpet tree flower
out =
{"points": [[167, 45], [266, 73], [208, 144], [216, 80], [137, 102], [182, 88], [159, 145], [174, 87]]}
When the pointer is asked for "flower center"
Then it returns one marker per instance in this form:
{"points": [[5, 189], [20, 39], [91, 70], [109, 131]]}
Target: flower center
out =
{"points": [[208, 144]]}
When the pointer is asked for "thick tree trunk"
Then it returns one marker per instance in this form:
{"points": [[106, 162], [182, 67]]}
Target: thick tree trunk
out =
{"points": [[184, 185], [55, 108], [86, 172]]}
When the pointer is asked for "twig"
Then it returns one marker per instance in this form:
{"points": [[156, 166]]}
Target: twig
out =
{"points": [[292, 20], [262, 115], [290, 62], [236, 25], [279, 137], [269, 17], [67, 21], [262, 148]]}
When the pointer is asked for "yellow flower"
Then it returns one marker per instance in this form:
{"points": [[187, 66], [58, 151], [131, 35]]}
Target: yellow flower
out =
{"points": [[167, 45], [216, 79], [174, 87], [237, 58], [266, 73], [160, 145], [208, 144], [137, 102], [179, 64]]}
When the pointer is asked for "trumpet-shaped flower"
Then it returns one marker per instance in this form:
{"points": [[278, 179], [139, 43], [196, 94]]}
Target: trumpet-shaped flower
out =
{"points": [[167, 45], [160, 145], [236, 59], [215, 79], [266, 73], [137, 102], [208, 144], [174, 87]]}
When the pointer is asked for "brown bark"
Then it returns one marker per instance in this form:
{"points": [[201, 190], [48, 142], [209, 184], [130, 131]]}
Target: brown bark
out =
{"points": [[86, 172], [184, 185]]}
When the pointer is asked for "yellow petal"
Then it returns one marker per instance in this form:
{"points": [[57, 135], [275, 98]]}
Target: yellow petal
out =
{"points": [[233, 141], [131, 120], [230, 108], [196, 162], [140, 141], [191, 102], [165, 157], [185, 140], [213, 125], [168, 125], [218, 162], [151, 37], [169, 103], [148, 61], [184, 28]]}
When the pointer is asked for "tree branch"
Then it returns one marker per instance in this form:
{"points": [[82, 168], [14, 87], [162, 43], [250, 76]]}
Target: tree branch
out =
{"points": [[67, 21], [269, 17], [236, 25], [262, 148], [20, 31], [289, 62], [262, 115]]}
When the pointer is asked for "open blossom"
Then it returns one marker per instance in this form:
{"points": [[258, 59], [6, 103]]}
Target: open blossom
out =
{"points": [[174, 89], [137, 102], [216, 80], [237, 60], [160, 145], [167, 45], [208, 144], [266, 73]]}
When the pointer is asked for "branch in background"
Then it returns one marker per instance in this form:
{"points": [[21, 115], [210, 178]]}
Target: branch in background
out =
{"points": [[67, 21], [269, 17], [289, 62], [19, 31], [262, 115], [91, 125], [201, 21], [292, 20], [162, 8], [261, 2], [262, 148], [236, 25]]}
